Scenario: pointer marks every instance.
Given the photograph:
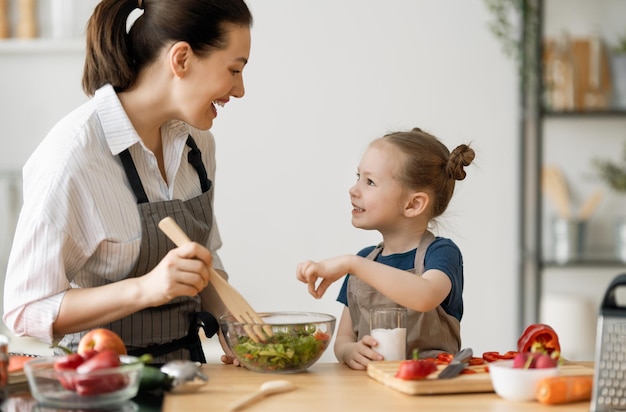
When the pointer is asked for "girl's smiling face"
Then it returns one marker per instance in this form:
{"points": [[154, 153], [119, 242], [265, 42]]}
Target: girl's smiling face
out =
{"points": [[211, 80], [378, 198]]}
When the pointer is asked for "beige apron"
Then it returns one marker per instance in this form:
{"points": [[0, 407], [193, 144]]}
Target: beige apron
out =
{"points": [[430, 332], [169, 331]]}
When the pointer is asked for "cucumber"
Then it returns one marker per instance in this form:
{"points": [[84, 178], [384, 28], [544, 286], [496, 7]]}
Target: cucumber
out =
{"points": [[153, 378]]}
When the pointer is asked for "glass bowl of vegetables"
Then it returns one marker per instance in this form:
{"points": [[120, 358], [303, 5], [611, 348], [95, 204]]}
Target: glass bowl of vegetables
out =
{"points": [[99, 386], [288, 342]]}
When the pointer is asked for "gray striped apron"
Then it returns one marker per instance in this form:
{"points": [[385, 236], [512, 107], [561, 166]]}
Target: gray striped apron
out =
{"points": [[169, 331], [429, 332]]}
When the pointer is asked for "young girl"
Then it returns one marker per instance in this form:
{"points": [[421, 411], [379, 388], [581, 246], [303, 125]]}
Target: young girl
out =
{"points": [[87, 252], [404, 180]]}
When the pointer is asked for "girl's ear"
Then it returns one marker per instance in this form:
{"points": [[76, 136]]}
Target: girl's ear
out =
{"points": [[179, 58], [418, 204]]}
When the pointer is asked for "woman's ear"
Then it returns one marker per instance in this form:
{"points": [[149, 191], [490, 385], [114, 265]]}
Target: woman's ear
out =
{"points": [[179, 58], [418, 204]]}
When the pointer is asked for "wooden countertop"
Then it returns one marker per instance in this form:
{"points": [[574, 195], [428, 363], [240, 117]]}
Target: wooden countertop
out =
{"points": [[335, 387]]}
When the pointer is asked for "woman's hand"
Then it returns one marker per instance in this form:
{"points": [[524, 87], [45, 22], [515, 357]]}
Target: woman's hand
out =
{"points": [[358, 354], [184, 271], [328, 270]]}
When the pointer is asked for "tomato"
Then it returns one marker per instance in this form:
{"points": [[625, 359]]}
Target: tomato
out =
{"points": [[539, 337], [321, 336]]}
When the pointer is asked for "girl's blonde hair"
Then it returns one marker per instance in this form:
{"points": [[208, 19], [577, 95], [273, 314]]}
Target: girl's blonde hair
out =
{"points": [[428, 165]]}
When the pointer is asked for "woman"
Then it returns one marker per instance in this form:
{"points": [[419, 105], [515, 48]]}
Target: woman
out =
{"points": [[87, 251]]}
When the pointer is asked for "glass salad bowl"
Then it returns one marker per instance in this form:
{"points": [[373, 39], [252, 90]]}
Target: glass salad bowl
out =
{"points": [[297, 341]]}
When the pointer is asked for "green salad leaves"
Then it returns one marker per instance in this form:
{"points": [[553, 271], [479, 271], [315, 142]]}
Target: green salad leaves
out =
{"points": [[284, 351]]}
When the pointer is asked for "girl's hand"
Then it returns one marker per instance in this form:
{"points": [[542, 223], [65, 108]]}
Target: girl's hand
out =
{"points": [[184, 271], [228, 357], [358, 354], [328, 271]]}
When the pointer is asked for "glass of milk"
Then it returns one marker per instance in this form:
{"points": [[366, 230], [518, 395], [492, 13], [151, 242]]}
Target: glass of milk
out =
{"points": [[388, 328]]}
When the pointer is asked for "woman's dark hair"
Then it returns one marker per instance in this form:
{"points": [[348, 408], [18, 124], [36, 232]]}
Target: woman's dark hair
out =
{"points": [[428, 165], [116, 57]]}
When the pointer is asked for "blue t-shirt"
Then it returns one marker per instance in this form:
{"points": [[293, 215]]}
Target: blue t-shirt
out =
{"points": [[442, 254]]}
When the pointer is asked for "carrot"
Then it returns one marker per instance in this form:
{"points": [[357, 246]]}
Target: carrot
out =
{"points": [[564, 389]]}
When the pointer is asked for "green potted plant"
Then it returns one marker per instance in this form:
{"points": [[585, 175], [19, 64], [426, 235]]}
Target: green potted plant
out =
{"points": [[613, 174], [618, 71]]}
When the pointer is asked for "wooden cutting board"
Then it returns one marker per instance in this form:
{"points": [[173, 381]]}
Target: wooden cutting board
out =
{"points": [[384, 372]]}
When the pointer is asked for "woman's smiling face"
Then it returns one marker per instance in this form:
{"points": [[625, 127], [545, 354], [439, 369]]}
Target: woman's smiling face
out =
{"points": [[211, 80]]}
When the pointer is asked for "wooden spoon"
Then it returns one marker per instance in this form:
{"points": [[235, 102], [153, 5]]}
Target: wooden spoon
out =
{"points": [[590, 205], [236, 304], [267, 388]]}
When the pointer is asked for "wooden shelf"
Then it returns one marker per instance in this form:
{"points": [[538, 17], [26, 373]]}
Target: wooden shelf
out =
{"points": [[587, 114], [41, 45]]}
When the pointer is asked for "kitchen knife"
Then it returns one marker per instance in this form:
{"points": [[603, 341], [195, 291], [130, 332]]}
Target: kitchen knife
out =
{"points": [[457, 364]]}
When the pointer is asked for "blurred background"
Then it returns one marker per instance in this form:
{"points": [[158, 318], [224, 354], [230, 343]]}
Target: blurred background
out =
{"points": [[326, 77]]}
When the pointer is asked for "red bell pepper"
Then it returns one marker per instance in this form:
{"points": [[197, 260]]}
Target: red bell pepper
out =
{"points": [[541, 337], [416, 369], [91, 384], [68, 363]]}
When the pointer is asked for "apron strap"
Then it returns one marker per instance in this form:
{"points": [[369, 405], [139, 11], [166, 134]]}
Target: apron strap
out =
{"points": [[191, 342], [194, 157], [133, 177]]}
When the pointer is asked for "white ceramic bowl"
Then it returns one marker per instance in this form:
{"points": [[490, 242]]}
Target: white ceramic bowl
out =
{"points": [[517, 384], [47, 388]]}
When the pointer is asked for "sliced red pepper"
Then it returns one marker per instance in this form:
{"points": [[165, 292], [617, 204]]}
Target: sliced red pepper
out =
{"points": [[475, 361], [495, 356], [444, 358], [491, 356], [540, 335]]}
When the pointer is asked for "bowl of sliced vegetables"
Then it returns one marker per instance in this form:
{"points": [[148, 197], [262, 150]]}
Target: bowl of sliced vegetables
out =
{"points": [[91, 385], [287, 342]]}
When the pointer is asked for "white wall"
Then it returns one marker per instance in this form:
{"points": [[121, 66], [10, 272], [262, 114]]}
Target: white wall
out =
{"points": [[325, 77]]}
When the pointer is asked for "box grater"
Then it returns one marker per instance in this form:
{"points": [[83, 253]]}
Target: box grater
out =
{"points": [[609, 389]]}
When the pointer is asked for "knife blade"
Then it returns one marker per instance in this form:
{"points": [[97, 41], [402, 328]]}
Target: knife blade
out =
{"points": [[457, 364]]}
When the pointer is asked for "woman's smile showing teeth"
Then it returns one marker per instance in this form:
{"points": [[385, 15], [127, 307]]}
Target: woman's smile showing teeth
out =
{"points": [[219, 103]]}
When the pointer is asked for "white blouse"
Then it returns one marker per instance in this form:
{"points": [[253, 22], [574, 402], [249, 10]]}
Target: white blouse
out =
{"points": [[80, 216]]}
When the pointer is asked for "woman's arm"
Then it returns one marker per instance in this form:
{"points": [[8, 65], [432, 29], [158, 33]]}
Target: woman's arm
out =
{"points": [[183, 272]]}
